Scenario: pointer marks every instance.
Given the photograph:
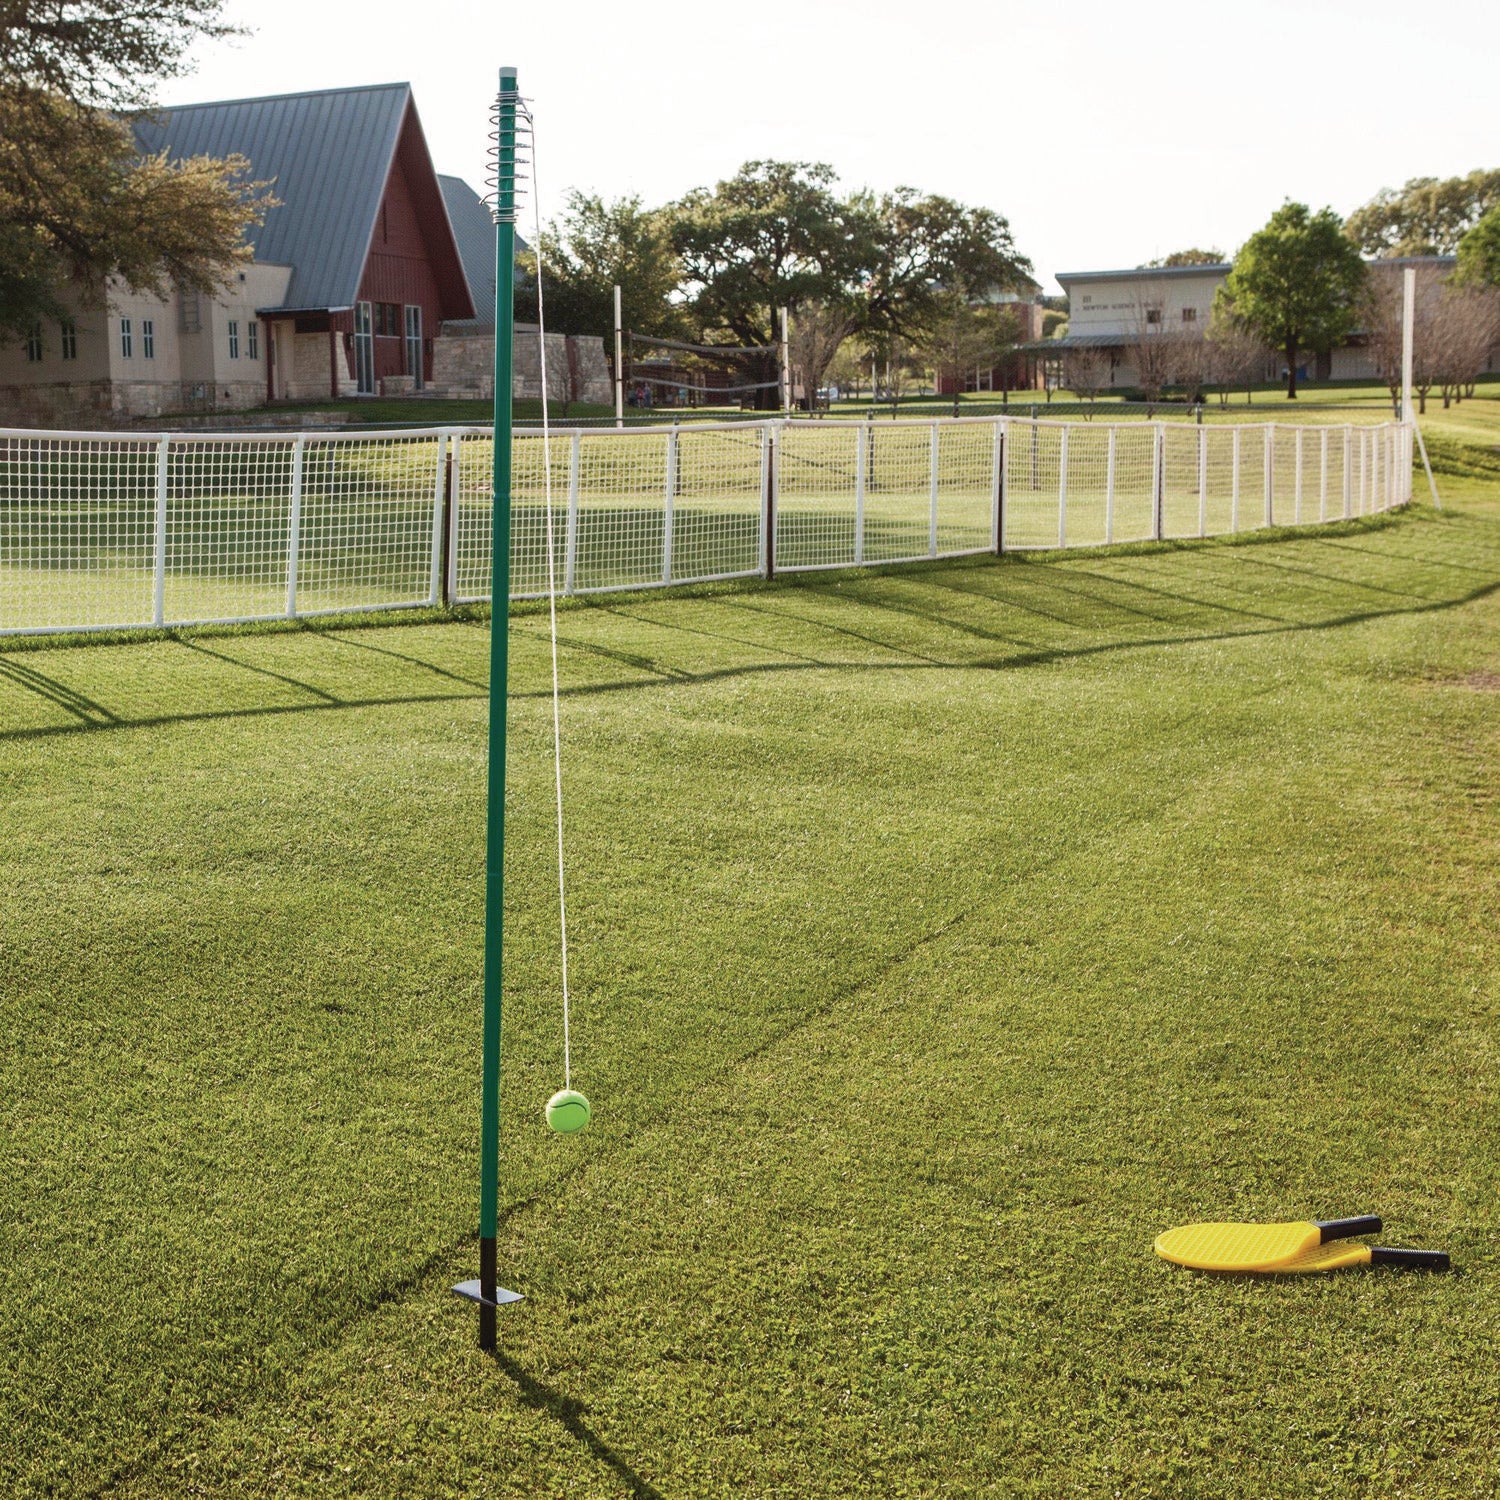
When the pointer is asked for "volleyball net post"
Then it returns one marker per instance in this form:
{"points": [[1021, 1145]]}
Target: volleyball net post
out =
{"points": [[619, 364], [786, 368]]}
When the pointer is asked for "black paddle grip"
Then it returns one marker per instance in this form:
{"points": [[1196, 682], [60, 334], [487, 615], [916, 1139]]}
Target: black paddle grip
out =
{"points": [[1347, 1229], [1410, 1260]]}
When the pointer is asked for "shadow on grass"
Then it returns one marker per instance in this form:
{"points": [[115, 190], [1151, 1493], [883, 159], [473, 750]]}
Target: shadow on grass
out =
{"points": [[90, 714], [568, 1413], [87, 714]]}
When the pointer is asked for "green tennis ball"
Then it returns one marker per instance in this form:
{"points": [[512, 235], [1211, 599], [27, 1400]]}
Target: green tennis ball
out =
{"points": [[568, 1112]]}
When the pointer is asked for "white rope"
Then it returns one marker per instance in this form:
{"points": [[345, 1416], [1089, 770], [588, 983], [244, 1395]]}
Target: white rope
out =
{"points": [[562, 881]]}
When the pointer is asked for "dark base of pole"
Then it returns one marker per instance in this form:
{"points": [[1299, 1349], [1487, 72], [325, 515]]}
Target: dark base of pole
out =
{"points": [[487, 1294]]}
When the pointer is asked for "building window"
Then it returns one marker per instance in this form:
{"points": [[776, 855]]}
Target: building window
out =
{"points": [[127, 343], [34, 344], [413, 351], [1190, 315], [364, 350], [69, 331], [234, 339], [388, 320], [148, 339], [1153, 315], [252, 339]]}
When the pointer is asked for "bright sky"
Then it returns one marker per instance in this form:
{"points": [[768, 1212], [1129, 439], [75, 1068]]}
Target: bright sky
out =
{"points": [[1107, 133]]}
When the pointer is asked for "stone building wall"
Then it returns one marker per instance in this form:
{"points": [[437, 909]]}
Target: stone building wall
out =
{"points": [[463, 364], [90, 404], [309, 379]]}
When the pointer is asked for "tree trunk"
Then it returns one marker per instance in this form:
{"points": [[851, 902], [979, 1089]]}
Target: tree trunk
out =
{"points": [[1291, 370]]}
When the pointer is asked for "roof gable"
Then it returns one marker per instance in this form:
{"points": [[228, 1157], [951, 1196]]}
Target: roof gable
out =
{"points": [[329, 155], [474, 230], [411, 171]]}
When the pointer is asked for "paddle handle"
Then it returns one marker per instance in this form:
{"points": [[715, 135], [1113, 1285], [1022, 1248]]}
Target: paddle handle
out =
{"points": [[1410, 1260], [1347, 1229]]}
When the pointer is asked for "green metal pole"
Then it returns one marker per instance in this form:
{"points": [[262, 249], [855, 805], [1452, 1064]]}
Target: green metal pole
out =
{"points": [[494, 858]]}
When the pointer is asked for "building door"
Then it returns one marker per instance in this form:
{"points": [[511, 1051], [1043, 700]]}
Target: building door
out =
{"points": [[414, 345], [364, 350]]}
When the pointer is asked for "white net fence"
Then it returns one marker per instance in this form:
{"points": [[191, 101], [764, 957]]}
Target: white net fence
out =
{"points": [[106, 531]]}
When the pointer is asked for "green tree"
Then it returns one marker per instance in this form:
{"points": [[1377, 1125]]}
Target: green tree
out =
{"points": [[1429, 216], [964, 334], [1192, 257], [778, 234], [1479, 253], [79, 209], [1296, 284], [595, 246], [926, 246], [774, 235]]}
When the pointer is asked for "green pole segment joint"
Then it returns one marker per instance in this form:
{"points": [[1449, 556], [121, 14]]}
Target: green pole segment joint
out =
{"points": [[485, 1291]]}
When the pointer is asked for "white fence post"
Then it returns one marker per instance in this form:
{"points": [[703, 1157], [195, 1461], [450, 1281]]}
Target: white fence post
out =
{"points": [[294, 527], [666, 526], [435, 576], [1297, 488], [570, 546], [997, 489], [159, 544], [1202, 481], [1268, 473], [1323, 477], [1109, 486], [1348, 467], [932, 517], [1062, 489], [1158, 480], [1234, 481], [769, 497], [863, 432]]}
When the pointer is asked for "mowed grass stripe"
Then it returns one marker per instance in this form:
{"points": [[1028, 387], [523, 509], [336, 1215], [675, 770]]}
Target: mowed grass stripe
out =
{"points": [[759, 836]]}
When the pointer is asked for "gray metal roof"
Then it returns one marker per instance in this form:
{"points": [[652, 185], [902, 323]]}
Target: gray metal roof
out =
{"points": [[1078, 341], [329, 154], [1147, 273], [474, 229]]}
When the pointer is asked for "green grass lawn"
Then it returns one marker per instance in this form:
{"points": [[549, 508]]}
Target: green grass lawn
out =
{"points": [[940, 936], [1356, 401]]}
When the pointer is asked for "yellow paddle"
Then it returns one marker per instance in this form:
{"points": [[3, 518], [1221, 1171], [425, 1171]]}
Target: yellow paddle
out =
{"points": [[1255, 1247]]}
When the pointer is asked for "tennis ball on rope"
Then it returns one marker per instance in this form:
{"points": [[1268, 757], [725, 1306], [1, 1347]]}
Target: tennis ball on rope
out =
{"points": [[568, 1112]]}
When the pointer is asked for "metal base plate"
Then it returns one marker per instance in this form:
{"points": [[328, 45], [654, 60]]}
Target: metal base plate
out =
{"points": [[471, 1290]]}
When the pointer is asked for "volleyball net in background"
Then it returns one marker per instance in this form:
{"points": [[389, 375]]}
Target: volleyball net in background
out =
{"points": [[108, 531]]}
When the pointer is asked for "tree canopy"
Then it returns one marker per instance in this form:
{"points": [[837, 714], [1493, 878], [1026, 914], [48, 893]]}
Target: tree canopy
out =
{"points": [[1193, 257], [773, 235], [79, 208], [779, 234], [1429, 216], [1296, 283], [1479, 252], [595, 246]]}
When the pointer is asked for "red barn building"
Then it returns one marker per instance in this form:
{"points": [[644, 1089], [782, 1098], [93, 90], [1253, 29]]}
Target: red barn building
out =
{"points": [[361, 225]]}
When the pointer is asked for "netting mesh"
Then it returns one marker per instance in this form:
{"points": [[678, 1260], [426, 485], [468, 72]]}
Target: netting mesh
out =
{"points": [[717, 502], [228, 531], [77, 531], [366, 536], [1033, 474], [817, 492], [98, 530]]}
